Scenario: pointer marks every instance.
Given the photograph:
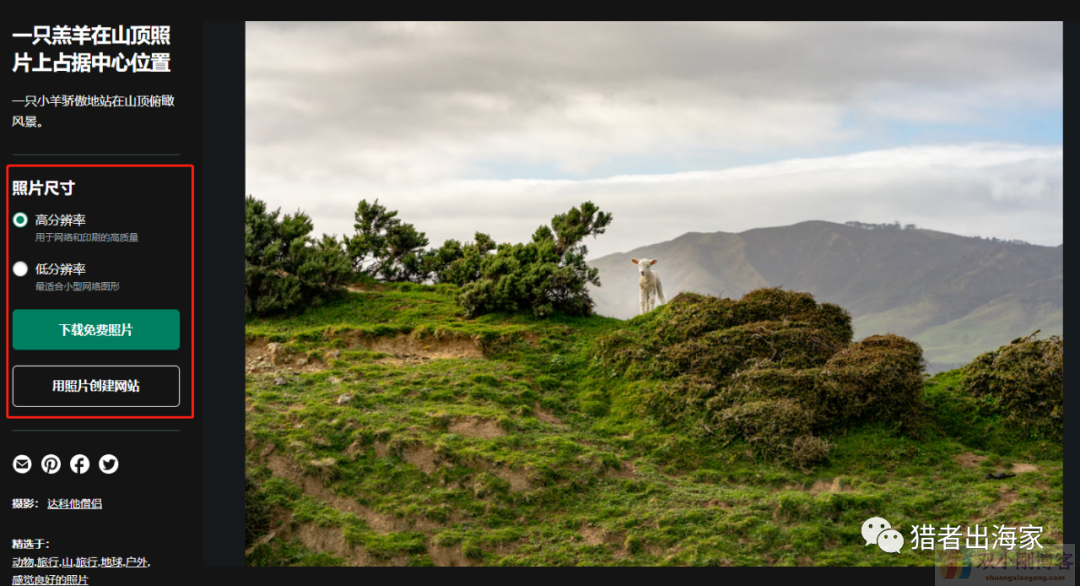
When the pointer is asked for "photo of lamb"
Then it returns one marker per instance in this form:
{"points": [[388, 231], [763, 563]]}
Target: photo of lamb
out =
{"points": [[652, 293]]}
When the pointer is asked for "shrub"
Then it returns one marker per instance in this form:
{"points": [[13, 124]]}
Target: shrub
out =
{"points": [[284, 267], [459, 263], [770, 426], [545, 275], [808, 451], [705, 334], [683, 397], [256, 511], [385, 247], [719, 353], [877, 379], [773, 367], [1023, 382]]}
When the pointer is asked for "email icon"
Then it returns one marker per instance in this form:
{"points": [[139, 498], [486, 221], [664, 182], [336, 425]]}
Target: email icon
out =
{"points": [[22, 464]]}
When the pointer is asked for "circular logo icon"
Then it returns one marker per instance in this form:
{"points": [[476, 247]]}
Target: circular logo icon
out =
{"points": [[19, 268], [873, 527], [20, 219], [51, 464], [108, 464], [80, 464], [22, 463], [890, 540]]}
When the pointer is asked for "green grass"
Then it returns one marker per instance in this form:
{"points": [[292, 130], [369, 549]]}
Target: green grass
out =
{"points": [[466, 456]]}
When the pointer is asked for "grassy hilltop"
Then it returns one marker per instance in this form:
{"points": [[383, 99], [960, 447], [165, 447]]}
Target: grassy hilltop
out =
{"points": [[956, 296], [386, 428]]}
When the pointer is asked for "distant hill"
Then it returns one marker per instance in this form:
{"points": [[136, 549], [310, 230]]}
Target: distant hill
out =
{"points": [[955, 295]]}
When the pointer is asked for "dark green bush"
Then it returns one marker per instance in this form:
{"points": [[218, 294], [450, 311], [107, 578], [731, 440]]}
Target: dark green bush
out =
{"points": [[877, 379], [459, 263], [770, 426], [542, 276], [1023, 382], [256, 511], [385, 247], [808, 451], [285, 268], [773, 367]]}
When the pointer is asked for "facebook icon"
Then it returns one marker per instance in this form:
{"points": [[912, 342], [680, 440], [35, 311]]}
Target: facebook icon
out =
{"points": [[80, 464]]}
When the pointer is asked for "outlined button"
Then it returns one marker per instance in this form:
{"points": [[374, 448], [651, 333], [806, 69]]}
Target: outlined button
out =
{"points": [[95, 385], [22, 464], [80, 464], [108, 464], [51, 464]]}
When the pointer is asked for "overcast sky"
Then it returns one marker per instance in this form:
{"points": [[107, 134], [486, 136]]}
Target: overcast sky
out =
{"points": [[671, 127]]}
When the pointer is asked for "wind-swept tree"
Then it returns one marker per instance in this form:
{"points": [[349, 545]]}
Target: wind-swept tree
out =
{"points": [[382, 243], [545, 275], [284, 268]]}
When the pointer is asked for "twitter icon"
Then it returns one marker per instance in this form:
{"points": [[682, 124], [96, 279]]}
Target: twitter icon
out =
{"points": [[108, 464]]}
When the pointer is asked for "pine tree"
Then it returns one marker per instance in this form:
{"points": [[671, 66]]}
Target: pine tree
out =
{"points": [[384, 246], [284, 268], [545, 275]]}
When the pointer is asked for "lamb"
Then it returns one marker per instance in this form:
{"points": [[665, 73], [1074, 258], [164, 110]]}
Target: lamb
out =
{"points": [[649, 287]]}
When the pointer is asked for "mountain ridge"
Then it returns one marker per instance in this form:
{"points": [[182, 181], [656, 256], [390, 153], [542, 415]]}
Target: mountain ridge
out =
{"points": [[931, 286]]}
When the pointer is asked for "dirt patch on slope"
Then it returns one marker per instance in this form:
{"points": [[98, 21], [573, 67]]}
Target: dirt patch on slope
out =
{"points": [[1006, 497], [546, 416], [448, 556], [353, 450], [428, 462], [477, 427], [419, 455], [423, 458], [969, 460], [405, 346], [1019, 467], [355, 288], [289, 470], [262, 356], [598, 536], [322, 539], [626, 470], [822, 486], [329, 540], [518, 479]]}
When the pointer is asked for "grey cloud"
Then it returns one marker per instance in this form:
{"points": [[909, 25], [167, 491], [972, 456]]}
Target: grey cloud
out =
{"points": [[337, 112], [961, 190], [386, 80]]}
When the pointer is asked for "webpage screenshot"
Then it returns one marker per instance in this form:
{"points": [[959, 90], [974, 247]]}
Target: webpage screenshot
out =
{"points": [[359, 296]]}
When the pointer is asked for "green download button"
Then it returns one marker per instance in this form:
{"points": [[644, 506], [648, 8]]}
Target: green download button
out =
{"points": [[95, 329]]}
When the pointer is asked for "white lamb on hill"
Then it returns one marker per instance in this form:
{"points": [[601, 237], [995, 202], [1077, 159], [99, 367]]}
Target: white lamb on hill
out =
{"points": [[649, 287]]}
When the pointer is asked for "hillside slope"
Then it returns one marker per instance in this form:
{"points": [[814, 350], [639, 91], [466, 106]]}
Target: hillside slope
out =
{"points": [[385, 428]]}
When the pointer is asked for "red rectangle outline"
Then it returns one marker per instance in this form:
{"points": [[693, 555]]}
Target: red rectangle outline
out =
{"points": [[7, 303]]}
